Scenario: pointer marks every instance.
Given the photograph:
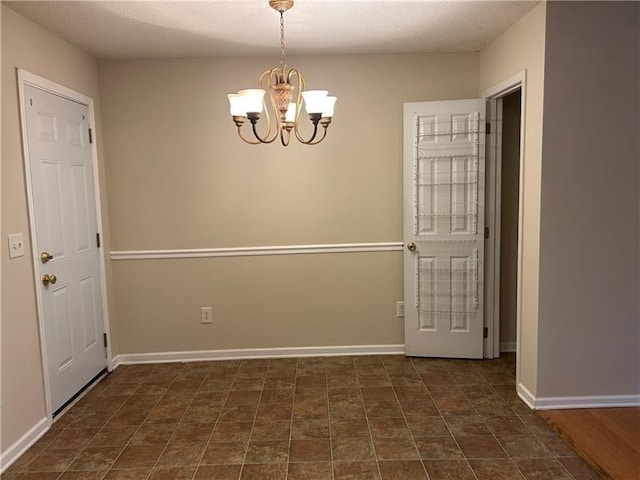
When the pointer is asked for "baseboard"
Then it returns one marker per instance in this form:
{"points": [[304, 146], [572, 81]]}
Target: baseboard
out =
{"points": [[596, 401], [526, 396], [11, 454], [250, 353], [506, 347], [591, 401], [112, 363]]}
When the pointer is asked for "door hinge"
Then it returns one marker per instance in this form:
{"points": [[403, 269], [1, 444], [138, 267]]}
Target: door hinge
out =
{"points": [[90, 135], [98, 240], [486, 232], [104, 339], [488, 128], [485, 332]]}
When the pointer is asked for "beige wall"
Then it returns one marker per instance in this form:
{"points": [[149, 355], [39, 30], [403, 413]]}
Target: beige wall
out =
{"points": [[259, 302], [589, 337], [180, 178], [29, 47], [510, 177], [522, 47]]}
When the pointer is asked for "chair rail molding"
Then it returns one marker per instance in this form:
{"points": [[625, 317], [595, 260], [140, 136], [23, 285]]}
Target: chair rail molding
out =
{"points": [[257, 251]]}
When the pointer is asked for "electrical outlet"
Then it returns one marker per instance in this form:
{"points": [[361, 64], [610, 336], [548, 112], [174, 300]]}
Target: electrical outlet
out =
{"points": [[206, 315], [16, 245], [400, 309]]}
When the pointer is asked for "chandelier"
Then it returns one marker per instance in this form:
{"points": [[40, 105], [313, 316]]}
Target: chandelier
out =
{"points": [[284, 102]]}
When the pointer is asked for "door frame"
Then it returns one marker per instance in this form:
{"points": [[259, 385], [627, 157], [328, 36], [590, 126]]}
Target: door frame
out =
{"points": [[26, 78], [494, 96]]}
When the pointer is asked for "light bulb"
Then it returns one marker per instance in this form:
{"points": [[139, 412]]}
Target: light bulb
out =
{"points": [[291, 113]]}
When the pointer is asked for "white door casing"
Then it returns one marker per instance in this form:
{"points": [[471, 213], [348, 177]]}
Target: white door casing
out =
{"points": [[494, 97], [444, 153], [64, 224]]}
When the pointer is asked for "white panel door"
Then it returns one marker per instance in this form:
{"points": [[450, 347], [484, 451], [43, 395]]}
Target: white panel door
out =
{"points": [[444, 150], [61, 169]]}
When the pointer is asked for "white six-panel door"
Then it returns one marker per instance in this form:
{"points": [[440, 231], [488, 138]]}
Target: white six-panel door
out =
{"points": [[63, 201], [444, 150]]}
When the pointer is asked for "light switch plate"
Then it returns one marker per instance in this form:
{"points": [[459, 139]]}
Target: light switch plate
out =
{"points": [[16, 245]]}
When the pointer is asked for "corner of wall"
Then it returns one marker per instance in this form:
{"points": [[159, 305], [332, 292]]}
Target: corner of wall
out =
{"points": [[519, 48]]}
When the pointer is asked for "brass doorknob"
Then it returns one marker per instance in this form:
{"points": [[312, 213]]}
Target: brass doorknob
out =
{"points": [[45, 257], [49, 279], [411, 247]]}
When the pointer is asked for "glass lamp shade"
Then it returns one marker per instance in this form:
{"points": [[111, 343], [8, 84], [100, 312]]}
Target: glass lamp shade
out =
{"points": [[291, 113], [252, 99], [329, 106], [314, 100], [236, 105]]}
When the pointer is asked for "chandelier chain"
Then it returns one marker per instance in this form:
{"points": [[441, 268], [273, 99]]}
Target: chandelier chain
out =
{"points": [[283, 61]]}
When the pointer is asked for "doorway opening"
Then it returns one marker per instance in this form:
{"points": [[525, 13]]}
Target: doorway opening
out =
{"points": [[453, 224], [506, 103], [509, 194]]}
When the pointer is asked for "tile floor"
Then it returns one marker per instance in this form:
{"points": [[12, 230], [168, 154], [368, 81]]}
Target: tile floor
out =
{"points": [[338, 418]]}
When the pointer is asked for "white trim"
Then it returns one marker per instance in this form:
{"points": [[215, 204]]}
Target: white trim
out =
{"points": [[254, 251], [15, 451], [27, 78], [250, 353], [492, 221], [586, 401], [111, 360], [497, 227], [100, 230], [507, 86], [526, 396], [506, 347], [595, 401], [22, 81], [518, 80]]}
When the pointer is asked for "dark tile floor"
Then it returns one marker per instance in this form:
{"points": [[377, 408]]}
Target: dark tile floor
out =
{"points": [[339, 418]]}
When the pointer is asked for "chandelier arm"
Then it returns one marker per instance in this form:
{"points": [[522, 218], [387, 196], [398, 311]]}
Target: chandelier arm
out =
{"points": [[324, 134], [310, 140], [268, 117], [260, 139], [285, 142], [245, 140], [268, 137], [295, 73], [264, 104], [301, 87]]}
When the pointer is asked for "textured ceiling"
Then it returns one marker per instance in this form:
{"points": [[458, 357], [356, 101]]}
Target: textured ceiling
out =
{"points": [[124, 29]]}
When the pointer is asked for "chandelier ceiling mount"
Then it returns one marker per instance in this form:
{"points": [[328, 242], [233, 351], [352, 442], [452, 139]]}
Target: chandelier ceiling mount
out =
{"points": [[281, 5]]}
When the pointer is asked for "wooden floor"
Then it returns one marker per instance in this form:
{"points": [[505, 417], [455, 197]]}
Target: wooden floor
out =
{"points": [[608, 438]]}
